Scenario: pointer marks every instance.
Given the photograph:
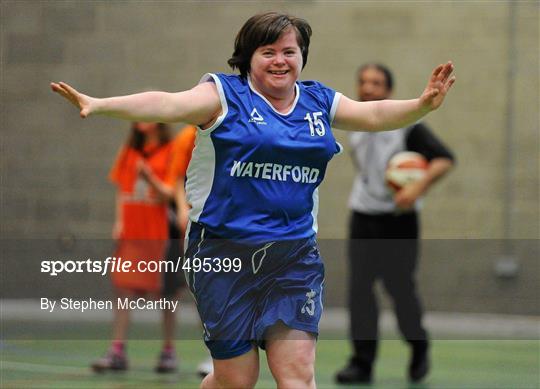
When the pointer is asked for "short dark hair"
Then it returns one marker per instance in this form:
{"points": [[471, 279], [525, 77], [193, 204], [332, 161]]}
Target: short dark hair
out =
{"points": [[389, 79], [264, 29]]}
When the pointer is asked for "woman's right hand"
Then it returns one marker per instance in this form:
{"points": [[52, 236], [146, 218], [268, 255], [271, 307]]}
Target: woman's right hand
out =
{"points": [[84, 103]]}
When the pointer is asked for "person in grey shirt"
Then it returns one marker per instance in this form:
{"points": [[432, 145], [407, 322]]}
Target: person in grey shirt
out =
{"points": [[384, 230]]}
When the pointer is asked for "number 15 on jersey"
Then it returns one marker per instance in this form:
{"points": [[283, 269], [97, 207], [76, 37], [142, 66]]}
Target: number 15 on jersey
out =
{"points": [[315, 123]]}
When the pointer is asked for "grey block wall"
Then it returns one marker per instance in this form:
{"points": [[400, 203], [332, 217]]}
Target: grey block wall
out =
{"points": [[55, 166]]}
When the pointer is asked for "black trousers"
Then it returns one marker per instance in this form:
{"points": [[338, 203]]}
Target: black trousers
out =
{"points": [[383, 247]]}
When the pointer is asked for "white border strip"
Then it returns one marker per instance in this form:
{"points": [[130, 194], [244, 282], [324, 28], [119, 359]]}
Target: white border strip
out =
{"points": [[334, 106], [224, 107], [315, 210]]}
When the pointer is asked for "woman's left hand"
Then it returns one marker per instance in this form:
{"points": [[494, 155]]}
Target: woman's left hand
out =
{"points": [[438, 85]]}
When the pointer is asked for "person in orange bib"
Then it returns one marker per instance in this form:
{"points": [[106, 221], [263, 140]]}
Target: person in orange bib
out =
{"points": [[141, 232]]}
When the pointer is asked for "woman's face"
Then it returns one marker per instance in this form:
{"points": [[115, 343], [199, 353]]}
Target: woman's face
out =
{"points": [[146, 128], [276, 67]]}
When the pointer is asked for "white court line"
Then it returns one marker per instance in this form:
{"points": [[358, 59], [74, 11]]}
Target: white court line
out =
{"points": [[42, 368], [149, 376]]}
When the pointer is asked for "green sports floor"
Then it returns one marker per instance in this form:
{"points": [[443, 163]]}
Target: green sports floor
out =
{"points": [[53, 362]]}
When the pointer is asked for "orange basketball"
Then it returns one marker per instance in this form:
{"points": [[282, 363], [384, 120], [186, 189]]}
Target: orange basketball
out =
{"points": [[404, 168]]}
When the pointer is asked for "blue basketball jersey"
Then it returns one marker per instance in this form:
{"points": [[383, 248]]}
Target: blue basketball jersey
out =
{"points": [[254, 173]]}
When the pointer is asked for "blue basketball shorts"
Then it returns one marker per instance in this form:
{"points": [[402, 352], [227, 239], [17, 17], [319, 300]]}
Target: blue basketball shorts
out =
{"points": [[270, 282]]}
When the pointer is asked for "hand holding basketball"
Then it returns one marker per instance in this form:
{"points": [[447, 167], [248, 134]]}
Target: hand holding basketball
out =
{"points": [[82, 102], [438, 85], [407, 196]]}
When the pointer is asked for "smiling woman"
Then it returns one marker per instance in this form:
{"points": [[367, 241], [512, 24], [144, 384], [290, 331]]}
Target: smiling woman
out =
{"points": [[254, 129], [275, 69], [273, 49]]}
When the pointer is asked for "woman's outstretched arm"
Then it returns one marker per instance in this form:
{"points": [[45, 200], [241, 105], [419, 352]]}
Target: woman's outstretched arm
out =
{"points": [[198, 105]]}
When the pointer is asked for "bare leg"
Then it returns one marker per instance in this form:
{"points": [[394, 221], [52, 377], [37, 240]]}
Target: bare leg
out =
{"points": [[239, 372], [121, 316], [169, 324], [115, 359], [291, 357]]}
